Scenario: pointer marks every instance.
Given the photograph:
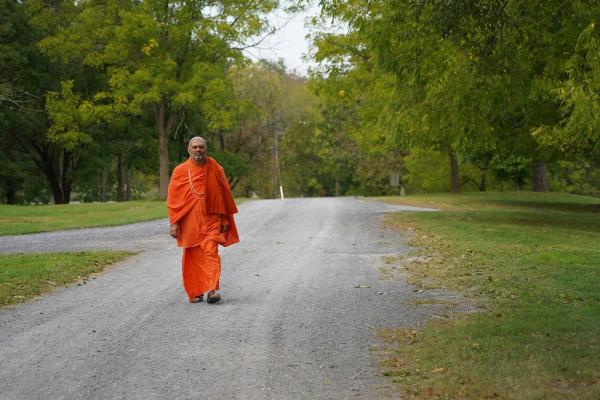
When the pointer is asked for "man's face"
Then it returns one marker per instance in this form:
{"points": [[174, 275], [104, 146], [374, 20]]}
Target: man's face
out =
{"points": [[197, 150]]}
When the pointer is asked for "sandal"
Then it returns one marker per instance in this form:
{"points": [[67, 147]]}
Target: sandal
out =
{"points": [[213, 297], [197, 299]]}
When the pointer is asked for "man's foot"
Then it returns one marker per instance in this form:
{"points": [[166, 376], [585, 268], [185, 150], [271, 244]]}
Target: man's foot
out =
{"points": [[197, 299], [213, 297]]}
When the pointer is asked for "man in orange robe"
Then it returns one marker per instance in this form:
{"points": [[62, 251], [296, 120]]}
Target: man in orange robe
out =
{"points": [[201, 210]]}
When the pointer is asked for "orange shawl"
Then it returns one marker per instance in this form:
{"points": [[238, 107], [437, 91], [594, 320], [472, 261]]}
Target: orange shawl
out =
{"points": [[219, 199]]}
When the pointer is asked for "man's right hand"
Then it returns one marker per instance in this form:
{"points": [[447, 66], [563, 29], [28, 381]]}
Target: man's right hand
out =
{"points": [[174, 230]]}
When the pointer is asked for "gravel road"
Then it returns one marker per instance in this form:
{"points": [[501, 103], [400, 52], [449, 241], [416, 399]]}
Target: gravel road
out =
{"points": [[292, 323]]}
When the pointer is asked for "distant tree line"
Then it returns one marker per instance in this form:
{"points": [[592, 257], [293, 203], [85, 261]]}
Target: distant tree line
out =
{"points": [[98, 98]]}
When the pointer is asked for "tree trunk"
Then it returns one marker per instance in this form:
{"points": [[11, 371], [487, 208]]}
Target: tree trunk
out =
{"points": [[540, 177], [164, 121], [276, 180], [454, 179], [104, 185], [233, 183], [55, 167], [66, 181], [121, 178], [222, 140], [517, 183], [10, 191], [54, 163], [9, 181], [128, 184], [483, 181]]}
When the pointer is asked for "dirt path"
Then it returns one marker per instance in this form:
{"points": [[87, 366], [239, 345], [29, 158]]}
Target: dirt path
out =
{"points": [[292, 324]]}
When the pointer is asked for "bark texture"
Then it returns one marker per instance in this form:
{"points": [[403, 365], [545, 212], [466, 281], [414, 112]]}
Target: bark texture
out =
{"points": [[454, 177], [540, 178]]}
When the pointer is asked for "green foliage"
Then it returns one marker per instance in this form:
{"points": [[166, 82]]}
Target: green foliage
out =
{"points": [[235, 165], [581, 177], [90, 90], [358, 107], [160, 59], [112, 81], [579, 130], [373, 173], [32, 76], [272, 110], [66, 118], [427, 171], [501, 84]]}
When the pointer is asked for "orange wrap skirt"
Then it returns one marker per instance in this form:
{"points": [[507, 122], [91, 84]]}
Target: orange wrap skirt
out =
{"points": [[201, 264]]}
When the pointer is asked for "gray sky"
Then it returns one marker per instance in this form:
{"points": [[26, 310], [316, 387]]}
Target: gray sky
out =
{"points": [[288, 43]]}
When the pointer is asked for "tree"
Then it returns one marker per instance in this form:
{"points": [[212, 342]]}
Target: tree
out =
{"points": [[473, 78], [160, 56], [578, 131], [32, 77]]}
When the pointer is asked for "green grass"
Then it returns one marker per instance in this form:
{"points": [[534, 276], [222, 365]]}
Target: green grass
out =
{"points": [[23, 276], [16, 220], [531, 262]]}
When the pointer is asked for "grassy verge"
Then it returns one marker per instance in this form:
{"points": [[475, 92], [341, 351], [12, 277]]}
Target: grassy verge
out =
{"points": [[18, 220], [532, 262], [23, 276], [15, 220]]}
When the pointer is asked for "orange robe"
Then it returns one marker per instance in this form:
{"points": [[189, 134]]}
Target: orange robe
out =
{"points": [[199, 199]]}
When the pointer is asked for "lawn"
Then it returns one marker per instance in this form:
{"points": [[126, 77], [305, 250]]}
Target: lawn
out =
{"points": [[23, 276], [531, 262], [18, 220], [15, 220]]}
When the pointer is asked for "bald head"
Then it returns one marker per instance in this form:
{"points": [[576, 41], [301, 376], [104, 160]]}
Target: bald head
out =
{"points": [[196, 139], [197, 150]]}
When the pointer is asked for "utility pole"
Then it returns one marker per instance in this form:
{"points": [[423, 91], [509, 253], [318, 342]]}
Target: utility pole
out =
{"points": [[276, 171]]}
